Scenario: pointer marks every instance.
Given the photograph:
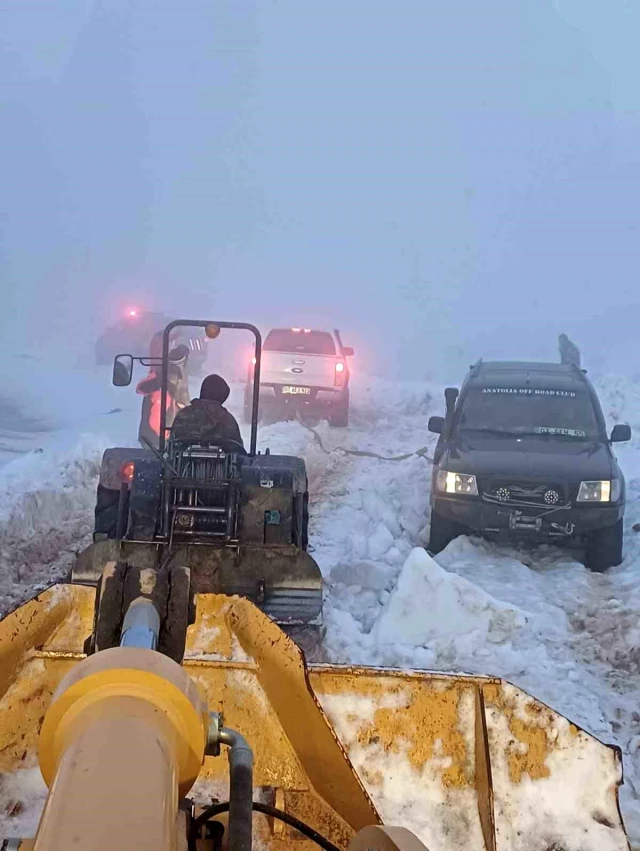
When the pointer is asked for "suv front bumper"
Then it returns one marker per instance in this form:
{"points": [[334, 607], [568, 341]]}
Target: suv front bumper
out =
{"points": [[508, 521]]}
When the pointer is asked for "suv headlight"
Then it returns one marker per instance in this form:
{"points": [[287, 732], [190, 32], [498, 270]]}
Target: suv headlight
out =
{"points": [[607, 490], [461, 483]]}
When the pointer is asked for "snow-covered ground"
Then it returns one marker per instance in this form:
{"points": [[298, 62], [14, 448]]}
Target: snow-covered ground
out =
{"points": [[537, 618]]}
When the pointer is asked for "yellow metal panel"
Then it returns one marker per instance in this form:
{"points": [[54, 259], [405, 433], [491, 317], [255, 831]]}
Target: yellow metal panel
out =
{"points": [[465, 749]]}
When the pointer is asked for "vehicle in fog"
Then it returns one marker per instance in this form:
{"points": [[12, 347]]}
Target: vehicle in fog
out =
{"points": [[523, 453], [135, 329], [303, 370]]}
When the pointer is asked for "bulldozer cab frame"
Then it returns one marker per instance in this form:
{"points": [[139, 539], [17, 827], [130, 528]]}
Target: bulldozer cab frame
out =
{"points": [[212, 330]]}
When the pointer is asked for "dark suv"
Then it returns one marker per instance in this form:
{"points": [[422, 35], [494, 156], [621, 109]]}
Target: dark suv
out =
{"points": [[523, 452]]}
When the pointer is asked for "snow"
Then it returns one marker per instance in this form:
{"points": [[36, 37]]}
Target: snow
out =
{"points": [[537, 618], [559, 809], [396, 787], [22, 796]]}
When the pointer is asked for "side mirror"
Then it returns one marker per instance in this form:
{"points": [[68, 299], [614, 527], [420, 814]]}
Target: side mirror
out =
{"points": [[621, 433], [122, 370], [347, 351], [436, 425]]}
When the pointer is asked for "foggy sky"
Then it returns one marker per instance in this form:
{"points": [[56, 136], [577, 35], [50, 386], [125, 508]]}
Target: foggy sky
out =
{"points": [[441, 181]]}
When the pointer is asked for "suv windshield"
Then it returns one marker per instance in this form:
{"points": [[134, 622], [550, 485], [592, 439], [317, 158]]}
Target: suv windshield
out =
{"points": [[306, 342], [528, 410]]}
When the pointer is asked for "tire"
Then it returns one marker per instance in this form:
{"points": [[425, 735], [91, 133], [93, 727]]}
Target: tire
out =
{"points": [[604, 548], [442, 532], [339, 416]]}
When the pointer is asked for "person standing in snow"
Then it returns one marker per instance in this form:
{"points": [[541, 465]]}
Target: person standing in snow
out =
{"points": [[569, 352], [150, 389]]}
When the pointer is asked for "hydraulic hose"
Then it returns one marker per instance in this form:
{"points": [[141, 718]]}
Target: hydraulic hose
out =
{"points": [[240, 789]]}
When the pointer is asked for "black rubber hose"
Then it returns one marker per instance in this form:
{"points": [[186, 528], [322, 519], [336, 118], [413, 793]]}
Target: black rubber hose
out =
{"points": [[240, 789], [217, 809]]}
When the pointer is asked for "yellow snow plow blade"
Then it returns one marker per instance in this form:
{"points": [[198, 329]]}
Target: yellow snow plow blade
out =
{"points": [[465, 762]]}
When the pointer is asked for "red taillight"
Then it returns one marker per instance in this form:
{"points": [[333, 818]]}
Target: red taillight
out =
{"points": [[253, 361], [126, 472], [340, 374]]}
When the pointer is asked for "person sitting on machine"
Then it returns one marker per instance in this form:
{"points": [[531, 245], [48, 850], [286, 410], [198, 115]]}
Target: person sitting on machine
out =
{"points": [[205, 420]]}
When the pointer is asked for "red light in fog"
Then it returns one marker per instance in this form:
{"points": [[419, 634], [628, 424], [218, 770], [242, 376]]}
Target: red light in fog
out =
{"points": [[126, 472], [339, 367], [253, 361], [132, 313]]}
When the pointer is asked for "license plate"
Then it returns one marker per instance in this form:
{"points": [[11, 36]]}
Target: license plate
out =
{"points": [[297, 391]]}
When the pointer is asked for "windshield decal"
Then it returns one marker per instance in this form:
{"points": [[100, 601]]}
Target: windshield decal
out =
{"points": [[528, 391], [569, 432]]}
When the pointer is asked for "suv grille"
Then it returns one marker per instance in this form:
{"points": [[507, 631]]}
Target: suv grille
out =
{"points": [[525, 490]]}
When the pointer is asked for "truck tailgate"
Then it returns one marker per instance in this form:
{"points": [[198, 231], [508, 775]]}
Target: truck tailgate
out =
{"points": [[296, 369]]}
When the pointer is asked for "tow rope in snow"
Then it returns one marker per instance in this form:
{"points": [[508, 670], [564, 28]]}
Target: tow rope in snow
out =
{"points": [[362, 453]]}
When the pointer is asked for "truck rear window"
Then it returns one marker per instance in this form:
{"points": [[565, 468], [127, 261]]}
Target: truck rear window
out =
{"points": [[528, 410], [305, 342]]}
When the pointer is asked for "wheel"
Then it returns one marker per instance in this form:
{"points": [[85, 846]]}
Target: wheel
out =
{"points": [[604, 548], [442, 532], [339, 416]]}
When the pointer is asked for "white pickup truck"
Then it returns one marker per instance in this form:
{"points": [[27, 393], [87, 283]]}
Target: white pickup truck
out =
{"points": [[303, 369]]}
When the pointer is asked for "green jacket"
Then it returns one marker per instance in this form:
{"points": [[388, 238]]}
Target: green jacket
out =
{"points": [[208, 422]]}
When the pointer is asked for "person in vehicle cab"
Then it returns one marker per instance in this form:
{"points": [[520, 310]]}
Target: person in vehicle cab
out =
{"points": [[569, 352], [206, 420]]}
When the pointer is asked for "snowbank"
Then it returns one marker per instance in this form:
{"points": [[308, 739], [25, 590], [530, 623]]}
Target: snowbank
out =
{"points": [[47, 501], [428, 605]]}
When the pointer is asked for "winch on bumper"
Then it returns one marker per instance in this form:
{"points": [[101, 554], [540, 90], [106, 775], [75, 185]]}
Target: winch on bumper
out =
{"points": [[489, 515]]}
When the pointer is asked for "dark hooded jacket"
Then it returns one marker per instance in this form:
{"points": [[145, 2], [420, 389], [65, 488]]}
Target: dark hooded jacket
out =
{"points": [[207, 421]]}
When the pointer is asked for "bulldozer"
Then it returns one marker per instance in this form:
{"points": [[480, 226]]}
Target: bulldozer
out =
{"points": [[196, 517], [123, 692]]}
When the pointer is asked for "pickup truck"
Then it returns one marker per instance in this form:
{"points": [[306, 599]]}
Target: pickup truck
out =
{"points": [[303, 370]]}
